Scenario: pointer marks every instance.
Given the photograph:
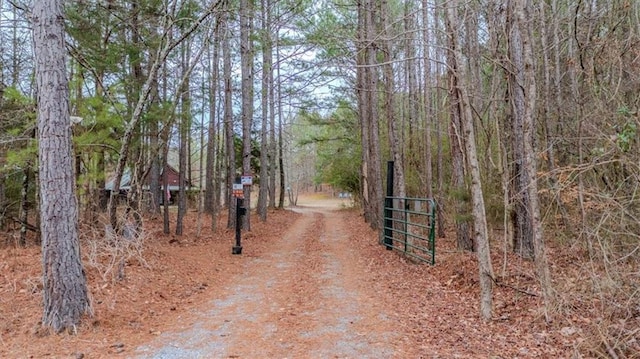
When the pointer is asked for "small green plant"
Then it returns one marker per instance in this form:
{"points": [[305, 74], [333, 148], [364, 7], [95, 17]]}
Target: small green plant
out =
{"points": [[627, 133]]}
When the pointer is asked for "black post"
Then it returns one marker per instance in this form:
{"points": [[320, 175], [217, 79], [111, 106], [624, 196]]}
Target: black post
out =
{"points": [[388, 204], [237, 249]]}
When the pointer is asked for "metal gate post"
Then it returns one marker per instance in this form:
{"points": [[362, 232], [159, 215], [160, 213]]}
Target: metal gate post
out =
{"points": [[432, 232], [388, 212], [405, 218]]}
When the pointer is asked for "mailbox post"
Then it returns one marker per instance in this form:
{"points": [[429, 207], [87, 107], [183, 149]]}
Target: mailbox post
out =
{"points": [[240, 211]]}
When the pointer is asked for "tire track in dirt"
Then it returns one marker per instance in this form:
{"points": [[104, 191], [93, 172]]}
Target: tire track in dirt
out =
{"points": [[352, 317], [303, 299]]}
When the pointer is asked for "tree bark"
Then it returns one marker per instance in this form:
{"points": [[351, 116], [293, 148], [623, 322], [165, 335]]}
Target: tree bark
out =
{"points": [[440, 46], [155, 190], [428, 110], [246, 59], [220, 163], [201, 170], [228, 122], [15, 42], [523, 15], [265, 96], [458, 140], [134, 198], [210, 190], [166, 195], [389, 103], [364, 107], [273, 155], [280, 143], [480, 220], [64, 283], [368, 107], [411, 118], [184, 130], [522, 178], [281, 164]]}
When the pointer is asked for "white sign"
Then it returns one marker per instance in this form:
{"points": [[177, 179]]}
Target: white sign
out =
{"points": [[246, 180], [238, 186]]}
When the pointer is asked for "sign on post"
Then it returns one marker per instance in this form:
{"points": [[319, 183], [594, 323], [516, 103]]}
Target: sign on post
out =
{"points": [[238, 190], [246, 180]]}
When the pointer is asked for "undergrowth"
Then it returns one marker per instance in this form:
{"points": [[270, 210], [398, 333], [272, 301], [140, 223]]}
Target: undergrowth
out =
{"points": [[108, 252]]}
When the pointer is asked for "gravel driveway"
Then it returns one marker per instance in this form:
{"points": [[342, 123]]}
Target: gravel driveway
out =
{"points": [[304, 299]]}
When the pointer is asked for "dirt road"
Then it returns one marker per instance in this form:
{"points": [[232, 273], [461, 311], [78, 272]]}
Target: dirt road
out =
{"points": [[303, 299], [310, 285]]}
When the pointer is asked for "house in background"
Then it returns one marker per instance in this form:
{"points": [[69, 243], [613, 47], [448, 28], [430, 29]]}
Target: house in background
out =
{"points": [[173, 177]]}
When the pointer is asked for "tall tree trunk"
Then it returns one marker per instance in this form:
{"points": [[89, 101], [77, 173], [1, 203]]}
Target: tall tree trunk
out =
{"points": [[185, 130], [163, 153], [64, 283], [412, 67], [15, 42], [497, 110], [201, 170], [155, 190], [134, 198], [166, 194], [458, 140], [246, 59], [371, 122], [220, 163], [473, 57], [428, 108], [228, 122], [210, 190], [280, 149], [558, 94], [101, 197], [281, 161], [273, 156], [389, 103], [523, 14], [265, 95], [441, 43], [480, 220], [523, 227], [364, 107]]}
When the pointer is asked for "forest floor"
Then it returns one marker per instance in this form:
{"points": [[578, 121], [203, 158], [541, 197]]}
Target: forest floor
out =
{"points": [[312, 282]]}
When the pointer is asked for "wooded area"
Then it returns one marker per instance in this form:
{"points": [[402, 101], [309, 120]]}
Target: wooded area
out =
{"points": [[519, 117]]}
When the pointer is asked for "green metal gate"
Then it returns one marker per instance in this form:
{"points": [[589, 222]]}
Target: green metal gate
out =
{"points": [[409, 226]]}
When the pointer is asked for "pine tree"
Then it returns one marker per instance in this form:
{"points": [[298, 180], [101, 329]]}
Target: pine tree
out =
{"points": [[65, 288]]}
